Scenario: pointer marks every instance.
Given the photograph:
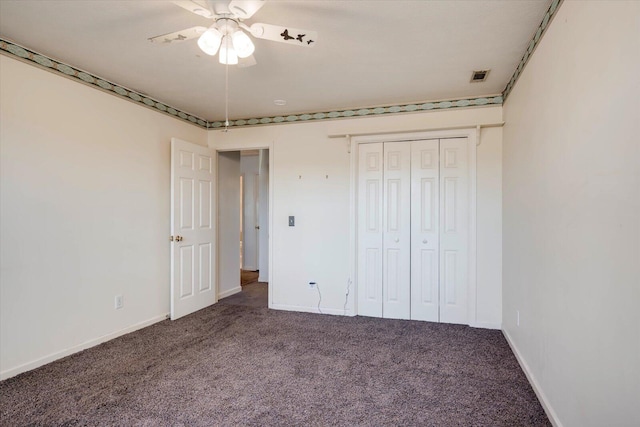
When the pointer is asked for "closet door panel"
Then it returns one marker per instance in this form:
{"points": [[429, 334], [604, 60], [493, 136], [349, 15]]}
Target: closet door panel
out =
{"points": [[425, 224], [370, 231], [413, 230], [454, 235], [396, 263]]}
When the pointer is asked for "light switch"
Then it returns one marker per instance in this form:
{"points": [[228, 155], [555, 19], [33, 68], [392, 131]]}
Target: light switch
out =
{"points": [[292, 221]]}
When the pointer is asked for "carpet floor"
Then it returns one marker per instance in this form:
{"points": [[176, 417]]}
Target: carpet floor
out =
{"points": [[254, 295], [232, 365]]}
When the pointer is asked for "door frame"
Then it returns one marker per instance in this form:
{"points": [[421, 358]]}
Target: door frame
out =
{"points": [[472, 140], [243, 146]]}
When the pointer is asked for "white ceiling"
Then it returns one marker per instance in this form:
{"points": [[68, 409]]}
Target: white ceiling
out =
{"points": [[369, 53]]}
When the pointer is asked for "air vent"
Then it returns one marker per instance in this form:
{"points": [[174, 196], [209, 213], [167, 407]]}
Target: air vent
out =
{"points": [[479, 76]]}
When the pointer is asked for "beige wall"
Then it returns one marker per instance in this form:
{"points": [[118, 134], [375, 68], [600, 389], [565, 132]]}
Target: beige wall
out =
{"points": [[84, 214], [318, 247], [572, 215], [489, 228]]}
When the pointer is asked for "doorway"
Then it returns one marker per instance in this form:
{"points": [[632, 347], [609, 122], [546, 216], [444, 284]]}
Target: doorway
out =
{"points": [[243, 223]]}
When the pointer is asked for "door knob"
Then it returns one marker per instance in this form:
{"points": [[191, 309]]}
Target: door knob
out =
{"points": [[178, 238], [257, 227], [424, 241], [396, 240]]}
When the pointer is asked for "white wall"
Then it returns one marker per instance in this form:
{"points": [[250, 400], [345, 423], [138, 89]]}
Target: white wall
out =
{"points": [[572, 215], [84, 215], [489, 228], [229, 166], [311, 180], [250, 170]]}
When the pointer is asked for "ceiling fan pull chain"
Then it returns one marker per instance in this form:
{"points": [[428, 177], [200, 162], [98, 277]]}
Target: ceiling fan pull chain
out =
{"points": [[226, 90]]}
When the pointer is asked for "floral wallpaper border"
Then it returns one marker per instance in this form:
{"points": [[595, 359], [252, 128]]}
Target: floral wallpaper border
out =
{"points": [[535, 41], [43, 61], [360, 112], [38, 59]]}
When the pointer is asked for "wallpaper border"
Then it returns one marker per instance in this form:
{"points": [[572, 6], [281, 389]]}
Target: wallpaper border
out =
{"points": [[533, 43], [40, 60], [58, 67], [362, 112]]}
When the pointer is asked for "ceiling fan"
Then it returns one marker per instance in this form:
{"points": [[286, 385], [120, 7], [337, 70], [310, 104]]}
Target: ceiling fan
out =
{"points": [[226, 35]]}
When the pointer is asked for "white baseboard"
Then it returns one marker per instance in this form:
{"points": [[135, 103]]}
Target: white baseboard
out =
{"points": [[12, 372], [546, 405], [486, 325], [229, 292], [303, 309]]}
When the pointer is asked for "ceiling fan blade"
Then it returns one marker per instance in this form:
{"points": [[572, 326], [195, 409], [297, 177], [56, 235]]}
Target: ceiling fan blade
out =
{"points": [[278, 33], [245, 9], [197, 7], [249, 61], [178, 36]]}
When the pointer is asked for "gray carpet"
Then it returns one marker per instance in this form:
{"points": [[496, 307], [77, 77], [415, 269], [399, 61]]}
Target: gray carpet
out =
{"points": [[254, 294], [231, 365]]}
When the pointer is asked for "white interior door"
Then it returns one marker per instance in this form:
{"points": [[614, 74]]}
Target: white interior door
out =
{"points": [[370, 198], [228, 223], [425, 221], [454, 225], [192, 248], [396, 263]]}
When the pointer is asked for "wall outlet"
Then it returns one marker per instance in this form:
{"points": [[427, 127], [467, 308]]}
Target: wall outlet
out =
{"points": [[119, 302], [312, 285], [517, 317]]}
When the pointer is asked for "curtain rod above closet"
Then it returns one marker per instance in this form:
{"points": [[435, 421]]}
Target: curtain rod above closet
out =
{"points": [[412, 130]]}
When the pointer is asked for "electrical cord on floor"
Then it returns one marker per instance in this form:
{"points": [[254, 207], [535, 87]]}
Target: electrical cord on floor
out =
{"points": [[346, 298], [319, 298]]}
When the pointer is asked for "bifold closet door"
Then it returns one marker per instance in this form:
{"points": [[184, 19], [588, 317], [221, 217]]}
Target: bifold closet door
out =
{"points": [[413, 230], [396, 236], [370, 198], [384, 237], [454, 229], [425, 220]]}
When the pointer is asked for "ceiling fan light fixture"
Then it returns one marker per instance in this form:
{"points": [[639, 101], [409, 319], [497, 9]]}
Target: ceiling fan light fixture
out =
{"points": [[209, 42], [242, 44], [227, 54], [230, 37]]}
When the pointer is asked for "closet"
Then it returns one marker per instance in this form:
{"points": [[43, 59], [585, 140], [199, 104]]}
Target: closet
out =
{"points": [[413, 204]]}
